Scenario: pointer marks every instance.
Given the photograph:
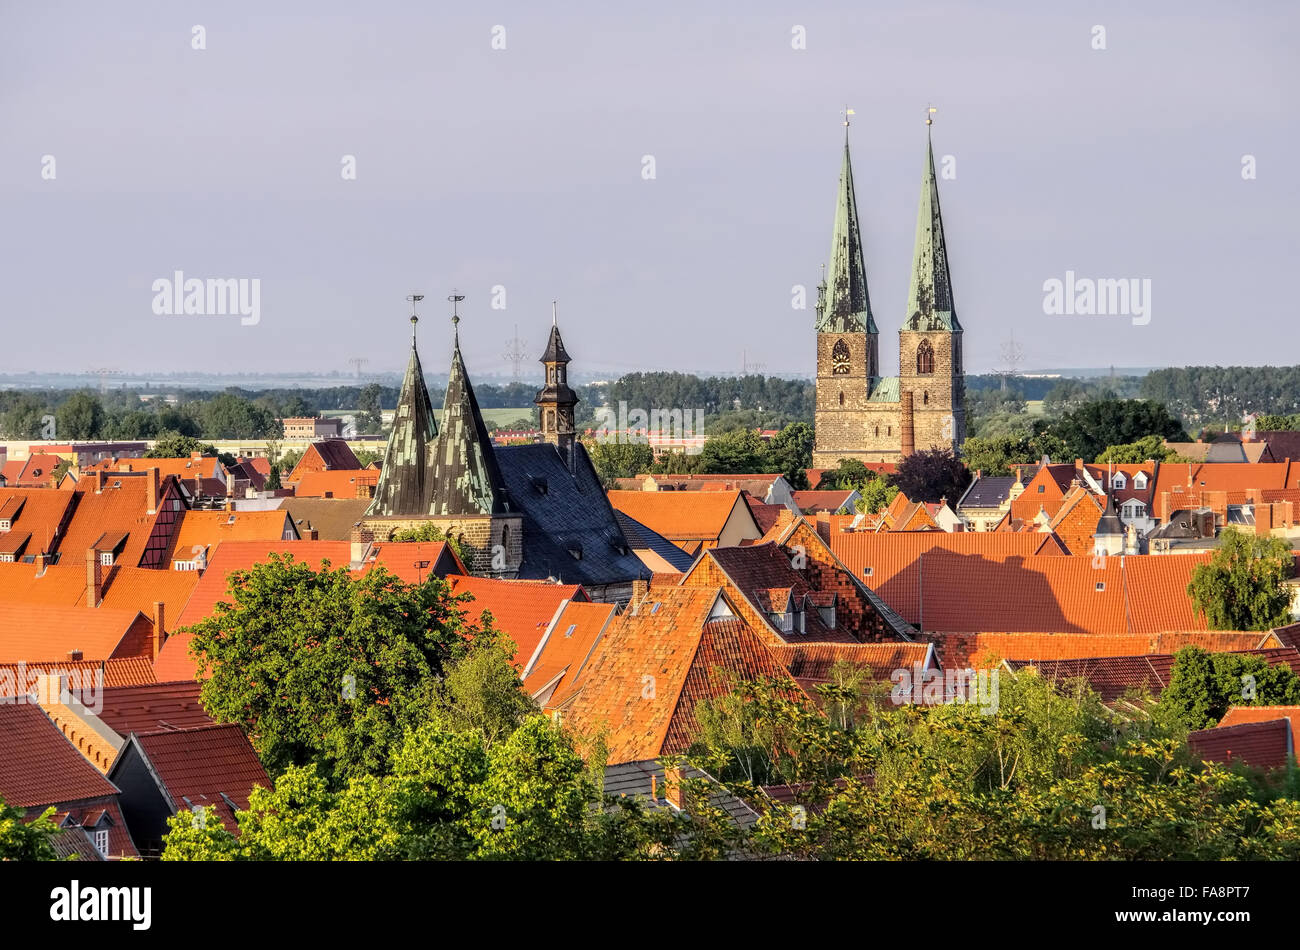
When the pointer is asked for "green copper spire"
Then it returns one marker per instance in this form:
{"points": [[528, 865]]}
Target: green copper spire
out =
{"points": [[843, 306], [466, 480], [402, 487], [929, 298]]}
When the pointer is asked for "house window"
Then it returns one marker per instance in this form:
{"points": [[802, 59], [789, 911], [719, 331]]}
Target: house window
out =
{"points": [[5, 524], [925, 398], [101, 841], [185, 565], [1140, 481], [868, 571], [1101, 586], [1041, 489], [924, 359], [6, 558], [828, 616], [877, 432], [783, 621], [1118, 481], [106, 558]]}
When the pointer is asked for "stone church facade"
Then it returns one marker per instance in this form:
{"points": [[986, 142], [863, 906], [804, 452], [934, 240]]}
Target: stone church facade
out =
{"points": [[859, 413]]}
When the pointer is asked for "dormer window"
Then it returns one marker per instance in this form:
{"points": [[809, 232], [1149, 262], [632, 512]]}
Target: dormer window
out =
{"points": [[1140, 481], [106, 558], [1118, 480], [101, 841], [5, 524]]}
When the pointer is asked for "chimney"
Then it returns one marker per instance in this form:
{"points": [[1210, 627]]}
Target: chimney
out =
{"points": [[673, 788], [75, 656], [99, 480], [907, 431], [159, 629], [640, 590], [362, 539], [196, 454], [311, 533], [1264, 519], [1164, 507], [654, 787], [151, 485], [42, 560], [94, 578], [1078, 465]]}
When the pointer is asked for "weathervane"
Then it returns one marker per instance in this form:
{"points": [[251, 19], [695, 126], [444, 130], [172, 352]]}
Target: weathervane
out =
{"points": [[414, 298], [553, 321], [846, 112], [455, 299], [929, 114]]}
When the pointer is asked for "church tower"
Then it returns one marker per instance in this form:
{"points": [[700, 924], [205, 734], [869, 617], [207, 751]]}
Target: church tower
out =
{"points": [[929, 342], [848, 357], [556, 402]]}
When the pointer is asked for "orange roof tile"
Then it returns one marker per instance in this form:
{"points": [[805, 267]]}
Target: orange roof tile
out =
{"points": [[337, 483], [1182, 477], [681, 516], [566, 645], [30, 631], [121, 508], [520, 609], [203, 530], [40, 512], [1236, 715], [18, 678]]}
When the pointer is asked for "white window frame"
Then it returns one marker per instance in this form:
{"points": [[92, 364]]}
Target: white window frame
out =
{"points": [[1140, 481], [1118, 480], [101, 841]]}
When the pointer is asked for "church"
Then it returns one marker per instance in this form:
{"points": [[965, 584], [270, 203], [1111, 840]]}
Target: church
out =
{"points": [[534, 511], [861, 414]]}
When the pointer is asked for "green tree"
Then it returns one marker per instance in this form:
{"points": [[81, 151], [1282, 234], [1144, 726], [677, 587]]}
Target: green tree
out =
{"points": [[481, 692], [1087, 430], [273, 480], [22, 840], [997, 455], [1151, 447], [876, 495], [428, 531], [81, 416], [1242, 587], [614, 460], [790, 453], [740, 451], [370, 413], [322, 668], [173, 445], [1202, 686]]}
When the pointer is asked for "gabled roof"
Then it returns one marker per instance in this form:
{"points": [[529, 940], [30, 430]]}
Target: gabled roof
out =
{"points": [[929, 296], [812, 501], [155, 707], [121, 508], [520, 609], [37, 471], [569, 529], [202, 766], [39, 766], [987, 491], [1236, 715], [329, 454], [1189, 477], [846, 307], [565, 646], [811, 663]]}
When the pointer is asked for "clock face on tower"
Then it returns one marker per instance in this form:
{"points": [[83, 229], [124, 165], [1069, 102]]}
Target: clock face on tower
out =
{"points": [[840, 358]]}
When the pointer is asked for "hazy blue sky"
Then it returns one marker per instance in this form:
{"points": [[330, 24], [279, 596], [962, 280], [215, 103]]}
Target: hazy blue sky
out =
{"points": [[522, 167]]}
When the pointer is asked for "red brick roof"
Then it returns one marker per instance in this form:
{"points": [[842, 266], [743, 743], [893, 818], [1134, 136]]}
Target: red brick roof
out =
{"points": [[152, 708], [38, 765], [568, 644], [337, 483], [985, 648], [200, 764], [1265, 745], [1236, 715]]}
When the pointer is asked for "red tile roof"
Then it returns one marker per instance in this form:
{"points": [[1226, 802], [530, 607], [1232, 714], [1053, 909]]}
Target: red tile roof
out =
{"points": [[811, 664], [825, 500], [567, 644], [986, 648], [200, 764], [152, 708], [1265, 745], [38, 765], [18, 678], [1236, 715], [203, 530], [680, 516], [121, 508], [337, 483]]}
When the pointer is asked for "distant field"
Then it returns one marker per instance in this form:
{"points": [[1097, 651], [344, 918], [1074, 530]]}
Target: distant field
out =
{"points": [[1034, 407]]}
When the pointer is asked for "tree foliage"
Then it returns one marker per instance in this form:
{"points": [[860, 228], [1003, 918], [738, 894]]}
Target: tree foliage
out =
{"points": [[1242, 588], [931, 475], [1203, 685]]}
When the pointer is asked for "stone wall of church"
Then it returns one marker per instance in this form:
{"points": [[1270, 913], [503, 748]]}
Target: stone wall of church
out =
{"points": [[480, 536]]}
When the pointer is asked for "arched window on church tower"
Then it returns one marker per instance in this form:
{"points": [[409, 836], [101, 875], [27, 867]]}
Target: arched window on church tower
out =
{"points": [[924, 359], [877, 432], [840, 358], [841, 399], [925, 398]]}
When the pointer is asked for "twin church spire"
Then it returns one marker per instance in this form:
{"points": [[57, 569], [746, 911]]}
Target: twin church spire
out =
{"points": [[844, 303]]}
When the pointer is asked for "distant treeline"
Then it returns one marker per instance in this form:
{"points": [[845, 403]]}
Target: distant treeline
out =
{"points": [[1223, 394]]}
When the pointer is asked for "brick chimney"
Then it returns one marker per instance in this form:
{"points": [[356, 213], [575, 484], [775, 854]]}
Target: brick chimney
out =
{"points": [[907, 430], [1164, 507], [151, 487], [310, 533], [1264, 519], [673, 788], [361, 541], [159, 628], [640, 590], [99, 480], [75, 656], [94, 578], [42, 561]]}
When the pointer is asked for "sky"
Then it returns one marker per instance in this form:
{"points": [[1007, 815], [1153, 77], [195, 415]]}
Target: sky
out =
{"points": [[519, 175]]}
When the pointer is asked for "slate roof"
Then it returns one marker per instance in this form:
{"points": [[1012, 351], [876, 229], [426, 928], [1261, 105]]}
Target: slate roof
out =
{"points": [[38, 765], [637, 778], [646, 542], [565, 512], [987, 491], [195, 766], [332, 518], [827, 500]]}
